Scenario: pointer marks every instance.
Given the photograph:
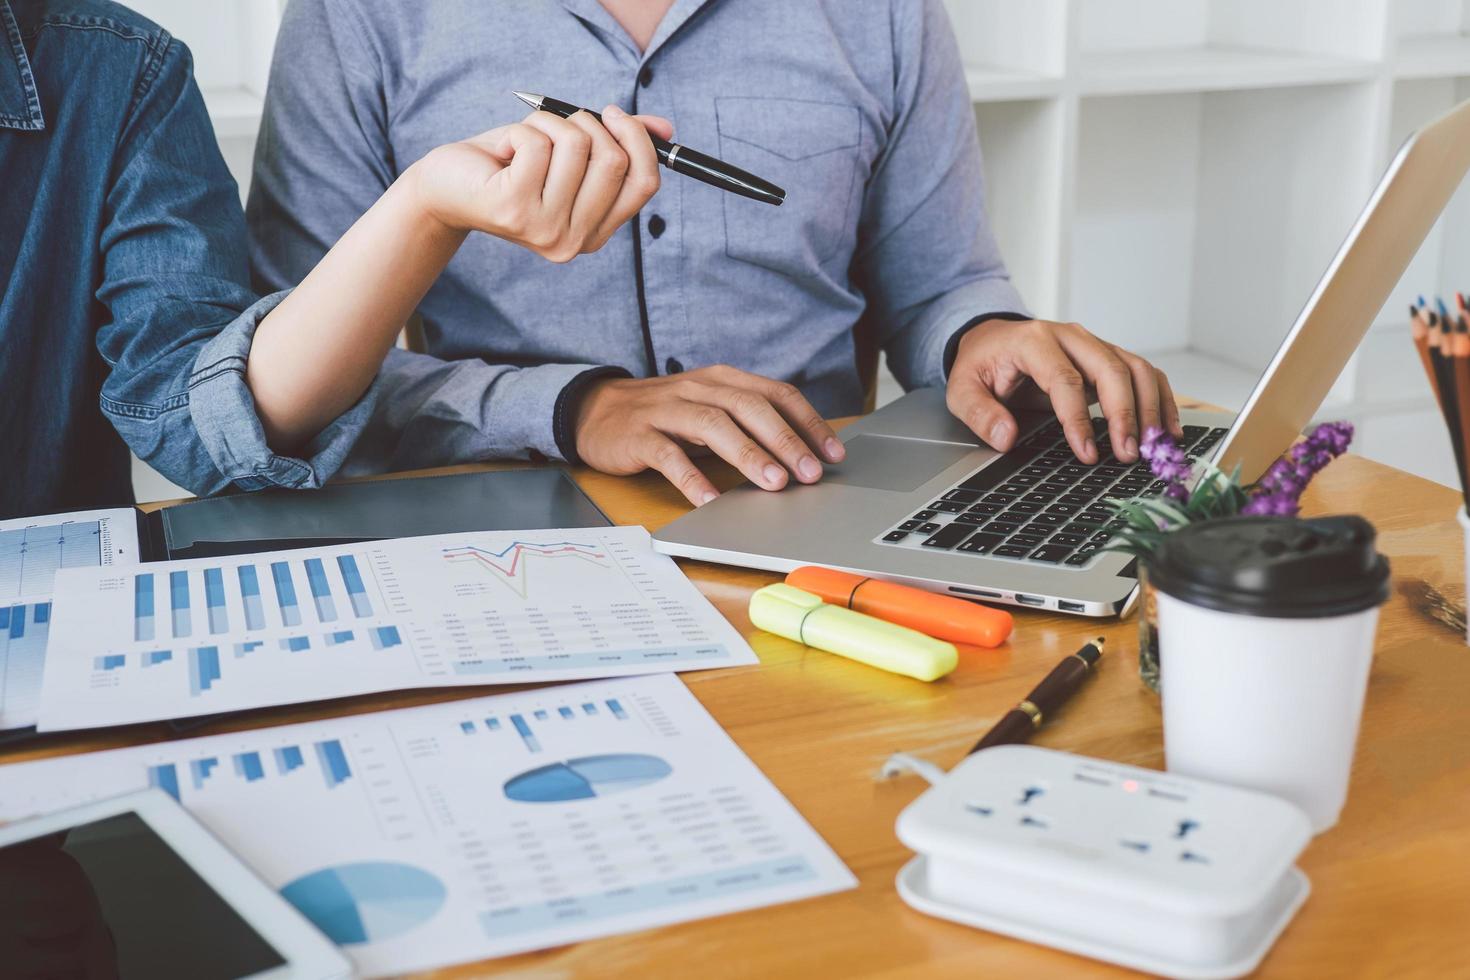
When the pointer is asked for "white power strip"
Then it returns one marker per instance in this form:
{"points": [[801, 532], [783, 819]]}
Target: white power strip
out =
{"points": [[1173, 876]]}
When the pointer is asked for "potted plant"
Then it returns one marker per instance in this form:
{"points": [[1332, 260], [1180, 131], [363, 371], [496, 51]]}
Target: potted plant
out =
{"points": [[1189, 497]]}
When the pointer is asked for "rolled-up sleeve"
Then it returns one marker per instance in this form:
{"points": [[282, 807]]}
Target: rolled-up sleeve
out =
{"points": [[222, 410], [926, 253]]}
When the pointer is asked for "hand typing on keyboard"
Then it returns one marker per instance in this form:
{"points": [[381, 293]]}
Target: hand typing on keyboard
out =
{"points": [[999, 363]]}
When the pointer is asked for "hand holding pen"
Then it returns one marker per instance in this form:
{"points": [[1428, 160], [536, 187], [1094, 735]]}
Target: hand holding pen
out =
{"points": [[559, 187]]}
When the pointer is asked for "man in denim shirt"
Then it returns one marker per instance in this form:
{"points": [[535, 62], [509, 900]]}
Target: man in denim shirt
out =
{"points": [[714, 321], [122, 270]]}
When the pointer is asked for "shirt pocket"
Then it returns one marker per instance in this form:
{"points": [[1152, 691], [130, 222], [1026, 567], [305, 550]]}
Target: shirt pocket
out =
{"points": [[811, 150]]}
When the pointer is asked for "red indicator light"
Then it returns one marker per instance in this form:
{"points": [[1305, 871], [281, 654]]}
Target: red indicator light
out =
{"points": [[1130, 785]]}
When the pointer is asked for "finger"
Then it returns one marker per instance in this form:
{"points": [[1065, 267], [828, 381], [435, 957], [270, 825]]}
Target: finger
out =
{"points": [[526, 152], [1053, 372], [641, 177], [571, 147], [607, 164], [656, 125], [708, 425], [1147, 397], [1114, 384], [794, 407], [663, 454], [754, 413], [1169, 405], [974, 404]]}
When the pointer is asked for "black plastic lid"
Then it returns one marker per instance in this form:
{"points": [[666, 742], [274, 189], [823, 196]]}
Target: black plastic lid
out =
{"points": [[1280, 567]]}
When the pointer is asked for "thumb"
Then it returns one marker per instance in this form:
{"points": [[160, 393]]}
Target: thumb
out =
{"points": [[657, 126], [974, 404]]}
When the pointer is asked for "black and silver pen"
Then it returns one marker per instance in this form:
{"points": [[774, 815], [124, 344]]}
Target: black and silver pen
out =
{"points": [[679, 158]]}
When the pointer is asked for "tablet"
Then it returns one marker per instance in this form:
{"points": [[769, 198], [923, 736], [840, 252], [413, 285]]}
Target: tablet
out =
{"points": [[135, 887]]}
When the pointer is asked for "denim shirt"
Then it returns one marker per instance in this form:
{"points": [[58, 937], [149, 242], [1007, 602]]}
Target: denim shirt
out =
{"points": [[858, 108], [125, 301]]}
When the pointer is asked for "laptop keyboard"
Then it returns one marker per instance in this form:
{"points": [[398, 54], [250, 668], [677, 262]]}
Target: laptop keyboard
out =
{"points": [[1038, 502]]}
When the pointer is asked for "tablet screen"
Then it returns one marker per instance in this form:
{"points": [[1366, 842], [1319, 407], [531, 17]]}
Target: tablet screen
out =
{"points": [[112, 899]]}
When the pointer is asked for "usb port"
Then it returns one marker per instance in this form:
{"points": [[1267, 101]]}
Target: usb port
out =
{"points": [[1030, 600], [1066, 606]]}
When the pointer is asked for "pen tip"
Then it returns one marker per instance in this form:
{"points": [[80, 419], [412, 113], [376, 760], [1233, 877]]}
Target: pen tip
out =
{"points": [[529, 98]]}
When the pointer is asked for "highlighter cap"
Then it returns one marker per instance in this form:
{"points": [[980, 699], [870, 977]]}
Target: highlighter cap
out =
{"points": [[781, 608]]}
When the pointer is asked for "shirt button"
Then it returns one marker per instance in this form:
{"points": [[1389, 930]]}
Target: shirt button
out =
{"points": [[645, 77], [672, 366], [656, 226]]}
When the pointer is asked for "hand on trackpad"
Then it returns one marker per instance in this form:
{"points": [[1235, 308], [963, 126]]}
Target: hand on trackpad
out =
{"points": [[887, 463]]}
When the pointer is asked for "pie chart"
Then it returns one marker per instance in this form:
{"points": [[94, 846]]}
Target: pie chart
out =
{"points": [[586, 778], [368, 901]]}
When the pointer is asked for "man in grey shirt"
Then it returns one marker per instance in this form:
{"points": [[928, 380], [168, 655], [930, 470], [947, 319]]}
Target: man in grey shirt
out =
{"points": [[712, 321]]}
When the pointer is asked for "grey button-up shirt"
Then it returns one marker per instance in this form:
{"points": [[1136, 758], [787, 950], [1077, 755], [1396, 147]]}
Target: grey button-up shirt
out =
{"points": [[857, 107]]}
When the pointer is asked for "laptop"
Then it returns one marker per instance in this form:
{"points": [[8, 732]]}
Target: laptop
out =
{"points": [[921, 500]]}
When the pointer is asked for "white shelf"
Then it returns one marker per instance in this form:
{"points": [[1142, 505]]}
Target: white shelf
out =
{"points": [[1432, 56], [1208, 69], [991, 84], [235, 111]]}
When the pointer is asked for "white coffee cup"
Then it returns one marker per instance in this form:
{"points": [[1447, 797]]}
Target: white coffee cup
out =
{"points": [[1266, 629]]}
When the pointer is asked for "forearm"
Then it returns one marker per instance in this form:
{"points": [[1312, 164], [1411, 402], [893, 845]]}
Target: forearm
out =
{"points": [[316, 353]]}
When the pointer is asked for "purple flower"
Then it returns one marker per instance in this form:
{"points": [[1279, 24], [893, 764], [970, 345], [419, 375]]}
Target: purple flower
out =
{"points": [[1280, 490], [1167, 462]]}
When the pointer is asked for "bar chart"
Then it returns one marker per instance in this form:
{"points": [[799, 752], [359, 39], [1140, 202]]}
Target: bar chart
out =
{"points": [[214, 635], [333, 766], [30, 557], [23, 632]]}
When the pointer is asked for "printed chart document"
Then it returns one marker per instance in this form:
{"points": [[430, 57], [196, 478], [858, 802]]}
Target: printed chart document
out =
{"points": [[32, 551], [180, 638], [453, 832]]}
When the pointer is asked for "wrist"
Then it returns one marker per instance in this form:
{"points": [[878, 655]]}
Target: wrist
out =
{"points": [[572, 408], [416, 192], [969, 330]]}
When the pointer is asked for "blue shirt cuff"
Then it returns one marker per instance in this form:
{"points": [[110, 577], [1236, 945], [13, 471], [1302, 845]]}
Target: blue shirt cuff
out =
{"points": [[223, 410]]}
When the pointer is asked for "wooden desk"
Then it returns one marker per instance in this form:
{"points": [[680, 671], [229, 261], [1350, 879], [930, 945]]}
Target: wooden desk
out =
{"points": [[1390, 884]]}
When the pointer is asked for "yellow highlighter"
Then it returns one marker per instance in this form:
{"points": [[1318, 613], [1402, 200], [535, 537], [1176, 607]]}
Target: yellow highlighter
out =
{"points": [[801, 616]]}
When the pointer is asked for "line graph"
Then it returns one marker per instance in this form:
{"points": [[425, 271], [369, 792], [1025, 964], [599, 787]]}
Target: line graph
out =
{"points": [[511, 565]]}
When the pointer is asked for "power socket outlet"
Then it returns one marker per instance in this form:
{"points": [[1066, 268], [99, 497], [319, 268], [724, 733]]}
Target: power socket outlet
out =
{"points": [[1175, 876]]}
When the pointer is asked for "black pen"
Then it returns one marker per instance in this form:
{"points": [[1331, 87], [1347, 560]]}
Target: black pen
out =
{"points": [[678, 158], [1055, 688]]}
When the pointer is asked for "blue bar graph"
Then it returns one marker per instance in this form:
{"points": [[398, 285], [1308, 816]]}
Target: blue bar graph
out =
{"points": [[353, 580], [250, 594], [287, 758], [200, 769], [295, 644], [590, 708], [248, 767], [214, 600], [15, 620], [493, 724], [468, 727], [383, 637], [541, 714], [41, 612], [178, 585], [286, 593], [249, 646], [617, 710], [340, 636], [532, 743], [334, 762], [565, 712], [157, 657], [203, 669], [111, 661], [166, 778], [321, 593], [143, 607]]}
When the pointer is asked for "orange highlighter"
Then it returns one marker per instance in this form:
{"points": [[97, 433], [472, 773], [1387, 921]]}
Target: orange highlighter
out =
{"points": [[940, 616]]}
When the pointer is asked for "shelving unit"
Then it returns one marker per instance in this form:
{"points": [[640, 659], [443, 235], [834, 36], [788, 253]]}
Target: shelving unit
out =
{"points": [[1179, 173], [1173, 173]]}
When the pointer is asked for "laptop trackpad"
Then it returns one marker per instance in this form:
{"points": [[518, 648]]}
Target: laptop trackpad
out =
{"points": [[886, 463]]}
